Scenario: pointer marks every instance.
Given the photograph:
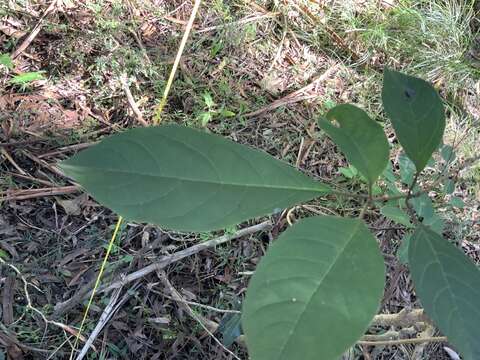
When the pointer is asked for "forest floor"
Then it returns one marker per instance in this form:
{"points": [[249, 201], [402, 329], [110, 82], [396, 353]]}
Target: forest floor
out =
{"points": [[259, 72]]}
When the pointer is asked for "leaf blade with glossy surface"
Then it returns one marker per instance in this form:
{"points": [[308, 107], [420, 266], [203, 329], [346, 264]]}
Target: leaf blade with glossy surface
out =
{"points": [[417, 114], [315, 291], [187, 180], [448, 285], [360, 138]]}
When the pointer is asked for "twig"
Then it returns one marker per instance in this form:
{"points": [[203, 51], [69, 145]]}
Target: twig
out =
{"points": [[418, 340], [11, 161], [176, 295], [18, 143], [104, 318], [43, 163], [34, 309], [8, 299], [295, 96], [425, 334], [164, 261], [169, 259], [23, 46], [64, 149], [236, 23], [207, 307], [131, 100], [36, 193], [31, 178]]}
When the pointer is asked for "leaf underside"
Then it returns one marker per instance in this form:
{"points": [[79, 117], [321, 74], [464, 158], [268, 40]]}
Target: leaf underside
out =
{"points": [[448, 285], [187, 180], [315, 291]]}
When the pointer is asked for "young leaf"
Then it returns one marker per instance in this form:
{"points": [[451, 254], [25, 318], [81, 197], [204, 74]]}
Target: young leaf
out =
{"points": [[448, 186], [448, 153], [185, 179], [230, 328], [396, 214], [407, 169], [315, 291], [402, 251], [6, 60], [423, 206], [448, 285], [207, 98], [349, 172], [457, 202], [360, 138], [417, 114], [26, 78]]}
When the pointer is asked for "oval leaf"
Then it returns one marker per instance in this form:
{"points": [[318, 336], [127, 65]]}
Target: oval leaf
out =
{"points": [[315, 291], [448, 285], [185, 179], [360, 138], [417, 115], [396, 214]]}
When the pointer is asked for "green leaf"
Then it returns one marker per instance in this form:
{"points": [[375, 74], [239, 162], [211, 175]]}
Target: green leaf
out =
{"points": [[6, 60], [207, 98], [230, 328], [448, 285], [388, 173], [315, 291], [402, 251], [396, 214], [423, 206], [457, 202], [349, 172], [360, 138], [407, 169], [227, 113], [185, 179], [26, 78], [448, 186], [4, 255], [417, 114], [205, 118], [448, 153]]}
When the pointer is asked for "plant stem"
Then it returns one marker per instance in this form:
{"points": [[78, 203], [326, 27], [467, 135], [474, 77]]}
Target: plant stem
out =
{"points": [[409, 196], [383, 198]]}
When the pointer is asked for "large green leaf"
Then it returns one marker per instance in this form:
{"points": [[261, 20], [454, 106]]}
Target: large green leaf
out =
{"points": [[315, 291], [417, 114], [360, 138], [185, 179], [448, 285]]}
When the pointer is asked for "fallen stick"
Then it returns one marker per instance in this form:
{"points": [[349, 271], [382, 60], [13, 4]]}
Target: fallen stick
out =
{"points": [[23, 46], [164, 261], [36, 193], [296, 96], [131, 100], [179, 255], [104, 318]]}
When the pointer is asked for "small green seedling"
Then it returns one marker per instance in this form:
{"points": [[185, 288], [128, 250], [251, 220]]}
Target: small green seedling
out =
{"points": [[211, 111]]}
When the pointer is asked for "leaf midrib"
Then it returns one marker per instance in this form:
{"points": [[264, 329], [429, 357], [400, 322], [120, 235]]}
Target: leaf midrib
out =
{"points": [[327, 272], [203, 181], [445, 278]]}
